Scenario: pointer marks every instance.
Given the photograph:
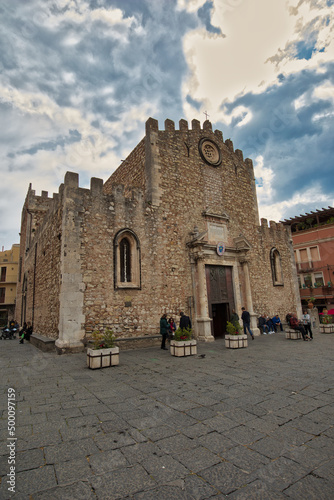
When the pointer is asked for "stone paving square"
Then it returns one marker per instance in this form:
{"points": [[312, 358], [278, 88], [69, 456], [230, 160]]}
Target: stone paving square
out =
{"points": [[254, 423]]}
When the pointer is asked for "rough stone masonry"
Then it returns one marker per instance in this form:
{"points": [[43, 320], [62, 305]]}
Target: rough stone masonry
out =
{"points": [[175, 227]]}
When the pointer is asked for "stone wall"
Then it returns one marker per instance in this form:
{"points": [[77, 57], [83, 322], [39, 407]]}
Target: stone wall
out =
{"points": [[169, 196], [131, 172], [270, 299], [190, 188], [39, 276]]}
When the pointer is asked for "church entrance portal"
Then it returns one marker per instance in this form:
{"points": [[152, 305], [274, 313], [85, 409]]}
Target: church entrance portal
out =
{"points": [[220, 297], [220, 315]]}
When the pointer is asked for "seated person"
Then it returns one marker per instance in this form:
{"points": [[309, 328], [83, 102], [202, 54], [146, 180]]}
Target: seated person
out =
{"points": [[270, 325], [26, 331], [262, 324], [277, 322], [296, 325], [288, 317]]}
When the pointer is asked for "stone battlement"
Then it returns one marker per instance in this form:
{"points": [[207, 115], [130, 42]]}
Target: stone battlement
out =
{"points": [[274, 226], [152, 125]]}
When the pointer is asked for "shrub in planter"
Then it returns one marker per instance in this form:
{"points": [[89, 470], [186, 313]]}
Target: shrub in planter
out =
{"points": [[235, 337], [183, 344], [233, 328], [183, 334], [103, 353], [326, 319]]}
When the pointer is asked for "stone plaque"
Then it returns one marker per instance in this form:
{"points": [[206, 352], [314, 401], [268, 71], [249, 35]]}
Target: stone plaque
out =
{"points": [[216, 232]]}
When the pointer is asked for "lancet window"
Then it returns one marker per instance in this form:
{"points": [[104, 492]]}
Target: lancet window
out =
{"points": [[276, 267], [127, 259]]}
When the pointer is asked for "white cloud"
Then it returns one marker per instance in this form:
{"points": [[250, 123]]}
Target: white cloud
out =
{"points": [[259, 37], [264, 177], [190, 5], [224, 67], [280, 210], [82, 107], [325, 91]]}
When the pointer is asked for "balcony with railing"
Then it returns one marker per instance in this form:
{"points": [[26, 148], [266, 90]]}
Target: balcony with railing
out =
{"points": [[319, 292]]}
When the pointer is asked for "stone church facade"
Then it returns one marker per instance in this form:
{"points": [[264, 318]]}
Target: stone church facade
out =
{"points": [[175, 227]]}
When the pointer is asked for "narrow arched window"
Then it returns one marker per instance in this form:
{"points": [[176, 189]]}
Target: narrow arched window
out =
{"points": [[126, 259], [276, 267]]}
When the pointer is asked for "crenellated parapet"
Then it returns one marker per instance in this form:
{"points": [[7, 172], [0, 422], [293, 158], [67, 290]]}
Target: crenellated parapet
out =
{"points": [[274, 232], [275, 226], [152, 128]]}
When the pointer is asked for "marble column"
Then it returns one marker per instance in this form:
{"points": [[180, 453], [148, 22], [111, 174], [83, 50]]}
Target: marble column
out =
{"points": [[249, 300], [203, 320]]}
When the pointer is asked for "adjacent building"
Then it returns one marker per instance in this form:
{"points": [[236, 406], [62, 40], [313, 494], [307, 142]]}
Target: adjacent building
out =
{"points": [[9, 262], [175, 227], [313, 243]]}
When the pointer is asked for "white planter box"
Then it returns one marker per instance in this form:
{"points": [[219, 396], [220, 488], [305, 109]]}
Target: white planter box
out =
{"points": [[102, 358], [183, 347], [293, 334], [236, 341], [327, 328]]}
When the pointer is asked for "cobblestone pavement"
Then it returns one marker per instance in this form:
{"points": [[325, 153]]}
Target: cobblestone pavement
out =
{"points": [[255, 423]]}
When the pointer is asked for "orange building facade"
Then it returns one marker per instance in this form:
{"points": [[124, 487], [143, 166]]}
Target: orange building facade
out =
{"points": [[313, 244]]}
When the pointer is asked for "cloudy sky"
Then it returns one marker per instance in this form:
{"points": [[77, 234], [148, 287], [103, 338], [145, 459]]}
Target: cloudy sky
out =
{"points": [[79, 78]]}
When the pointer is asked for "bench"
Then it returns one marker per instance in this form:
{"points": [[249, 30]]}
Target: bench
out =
{"points": [[127, 343], [45, 344]]}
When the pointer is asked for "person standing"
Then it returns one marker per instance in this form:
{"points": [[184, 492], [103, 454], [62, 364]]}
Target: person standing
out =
{"points": [[234, 318], [245, 316], [172, 327], [306, 320], [184, 321], [164, 326]]}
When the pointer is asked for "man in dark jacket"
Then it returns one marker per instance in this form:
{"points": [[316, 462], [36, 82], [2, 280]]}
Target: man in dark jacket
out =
{"points": [[184, 321], [164, 331], [246, 322], [263, 324]]}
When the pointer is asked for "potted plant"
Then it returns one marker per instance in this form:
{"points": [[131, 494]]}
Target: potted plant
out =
{"points": [[103, 353], [235, 338], [326, 324], [311, 301], [183, 344]]}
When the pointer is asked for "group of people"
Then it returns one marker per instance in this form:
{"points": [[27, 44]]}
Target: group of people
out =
{"points": [[269, 325], [168, 327], [303, 325], [266, 324], [24, 333]]}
